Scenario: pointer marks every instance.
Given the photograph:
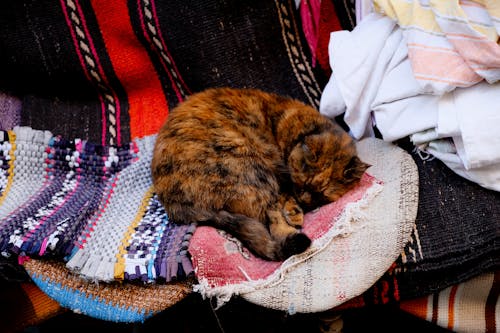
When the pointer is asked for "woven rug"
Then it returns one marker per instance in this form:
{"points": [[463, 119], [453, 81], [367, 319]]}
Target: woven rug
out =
{"points": [[90, 205], [355, 240]]}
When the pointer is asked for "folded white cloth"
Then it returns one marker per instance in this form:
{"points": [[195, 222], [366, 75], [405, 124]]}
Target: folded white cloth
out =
{"points": [[471, 118], [372, 75]]}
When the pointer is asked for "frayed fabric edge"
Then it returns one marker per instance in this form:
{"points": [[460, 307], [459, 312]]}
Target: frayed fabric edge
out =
{"points": [[353, 213]]}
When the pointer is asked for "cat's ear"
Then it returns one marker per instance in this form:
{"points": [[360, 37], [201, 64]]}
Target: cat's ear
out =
{"points": [[355, 168]]}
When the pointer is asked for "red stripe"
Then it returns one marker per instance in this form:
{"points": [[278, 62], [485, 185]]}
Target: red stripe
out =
{"points": [[435, 308], [328, 22], [148, 106], [491, 305], [451, 307]]}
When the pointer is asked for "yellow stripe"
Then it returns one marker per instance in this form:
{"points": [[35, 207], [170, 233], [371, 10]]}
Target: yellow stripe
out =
{"points": [[492, 6], [10, 179], [119, 269], [412, 13], [453, 9], [408, 14], [448, 8]]}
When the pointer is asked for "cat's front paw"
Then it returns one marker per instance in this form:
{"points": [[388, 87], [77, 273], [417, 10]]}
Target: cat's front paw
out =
{"points": [[291, 211], [293, 214]]}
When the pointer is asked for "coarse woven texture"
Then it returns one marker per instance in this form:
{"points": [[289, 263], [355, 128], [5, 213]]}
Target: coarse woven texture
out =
{"points": [[471, 306], [456, 234], [109, 73], [10, 111], [88, 204], [118, 302], [364, 237]]}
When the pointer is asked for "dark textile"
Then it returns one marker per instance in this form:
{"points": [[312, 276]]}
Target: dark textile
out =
{"points": [[10, 271], [457, 235], [346, 13], [82, 68], [10, 111]]}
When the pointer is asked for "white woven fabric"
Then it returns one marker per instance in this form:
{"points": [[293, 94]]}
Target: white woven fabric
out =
{"points": [[352, 262]]}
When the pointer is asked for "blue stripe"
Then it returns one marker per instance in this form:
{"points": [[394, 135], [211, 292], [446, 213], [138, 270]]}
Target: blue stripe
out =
{"points": [[79, 302]]}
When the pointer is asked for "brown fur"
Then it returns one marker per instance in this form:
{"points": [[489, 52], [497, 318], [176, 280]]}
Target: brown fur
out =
{"points": [[248, 162]]}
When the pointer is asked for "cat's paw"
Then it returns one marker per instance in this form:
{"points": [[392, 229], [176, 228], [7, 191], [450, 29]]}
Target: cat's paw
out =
{"points": [[293, 214], [295, 217], [294, 244]]}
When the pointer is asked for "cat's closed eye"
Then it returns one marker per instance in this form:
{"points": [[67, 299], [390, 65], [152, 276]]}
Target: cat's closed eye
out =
{"points": [[309, 155], [355, 169]]}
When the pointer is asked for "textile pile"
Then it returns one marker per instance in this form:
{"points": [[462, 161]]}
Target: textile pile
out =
{"points": [[86, 85]]}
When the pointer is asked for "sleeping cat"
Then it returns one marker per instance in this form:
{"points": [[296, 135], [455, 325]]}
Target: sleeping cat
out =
{"points": [[249, 163]]}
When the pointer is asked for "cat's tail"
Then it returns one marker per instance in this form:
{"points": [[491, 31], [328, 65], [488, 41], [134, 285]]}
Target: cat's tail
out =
{"points": [[256, 236], [253, 234]]}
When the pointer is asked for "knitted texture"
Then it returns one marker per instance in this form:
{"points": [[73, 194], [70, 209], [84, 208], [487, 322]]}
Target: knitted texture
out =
{"points": [[92, 205], [116, 302]]}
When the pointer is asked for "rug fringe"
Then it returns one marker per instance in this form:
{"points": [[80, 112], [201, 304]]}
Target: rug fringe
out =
{"points": [[353, 214]]}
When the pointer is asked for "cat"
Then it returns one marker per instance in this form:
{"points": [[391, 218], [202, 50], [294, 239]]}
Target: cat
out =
{"points": [[251, 163]]}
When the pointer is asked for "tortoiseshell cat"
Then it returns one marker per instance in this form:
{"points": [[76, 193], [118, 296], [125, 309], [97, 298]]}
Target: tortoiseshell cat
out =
{"points": [[248, 162]]}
